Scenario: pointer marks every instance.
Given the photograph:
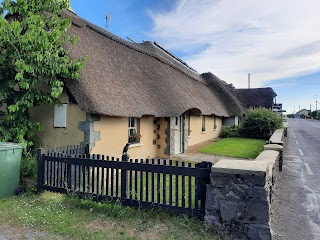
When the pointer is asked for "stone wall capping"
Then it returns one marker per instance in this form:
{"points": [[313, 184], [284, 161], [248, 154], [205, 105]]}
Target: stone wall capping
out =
{"points": [[274, 147], [259, 168], [272, 158], [269, 156], [277, 137]]}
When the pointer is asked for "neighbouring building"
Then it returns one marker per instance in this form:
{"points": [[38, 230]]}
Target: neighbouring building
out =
{"points": [[128, 90], [303, 112], [256, 97], [252, 98]]}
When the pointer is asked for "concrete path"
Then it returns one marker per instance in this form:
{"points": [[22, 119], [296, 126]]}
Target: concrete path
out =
{"points": [[199, 157]]}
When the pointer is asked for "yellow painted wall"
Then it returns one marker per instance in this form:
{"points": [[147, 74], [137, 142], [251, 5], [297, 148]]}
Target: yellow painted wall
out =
{"points": [[197, 136], [114, 136], [52, 137]]}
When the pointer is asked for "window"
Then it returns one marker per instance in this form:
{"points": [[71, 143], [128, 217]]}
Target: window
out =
{"points": [[214, 123], [60, 116], [133, 130], [203, 123]]}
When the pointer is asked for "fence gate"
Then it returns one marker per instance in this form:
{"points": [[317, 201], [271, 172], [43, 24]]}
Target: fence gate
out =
{"points": [[173, 186]]}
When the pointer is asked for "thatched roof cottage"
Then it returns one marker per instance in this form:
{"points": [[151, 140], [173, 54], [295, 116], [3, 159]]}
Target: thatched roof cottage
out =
{"points": [[128, 90]]}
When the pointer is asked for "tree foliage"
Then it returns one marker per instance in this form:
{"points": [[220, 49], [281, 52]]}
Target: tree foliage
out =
{"points": [[257, 123], [260, 123], [231, 132], [33, 62]]}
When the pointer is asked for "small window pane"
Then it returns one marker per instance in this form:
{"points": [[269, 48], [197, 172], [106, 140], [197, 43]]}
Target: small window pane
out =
{"points": [[60, 116]]}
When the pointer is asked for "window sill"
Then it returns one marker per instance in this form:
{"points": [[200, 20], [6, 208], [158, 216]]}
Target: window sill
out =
{"points": [[134, 145], [203, 132]]}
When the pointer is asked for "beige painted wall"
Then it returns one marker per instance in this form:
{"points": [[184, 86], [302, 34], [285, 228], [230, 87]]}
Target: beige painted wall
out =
{"points": [[114, 136], [197, 136], [52, 137]]}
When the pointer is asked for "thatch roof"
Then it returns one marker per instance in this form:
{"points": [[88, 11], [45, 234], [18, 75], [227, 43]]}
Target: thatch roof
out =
{"points": [[124, 79], [256, 97]]}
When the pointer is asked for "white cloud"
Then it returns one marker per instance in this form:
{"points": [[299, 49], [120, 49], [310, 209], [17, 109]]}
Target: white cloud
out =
{"points": [[269, 39]]}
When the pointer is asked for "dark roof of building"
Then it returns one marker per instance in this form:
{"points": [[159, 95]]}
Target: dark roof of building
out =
{"points": [[256, 97], [122, 78]]}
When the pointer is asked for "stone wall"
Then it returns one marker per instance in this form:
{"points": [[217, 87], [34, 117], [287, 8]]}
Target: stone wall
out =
{"points": [[90, 136], [239, 196]]}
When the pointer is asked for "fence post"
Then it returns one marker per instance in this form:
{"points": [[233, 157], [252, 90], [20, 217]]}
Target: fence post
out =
{"points": [[125, 158], [40, 174], [201, 185], [68, 175]]}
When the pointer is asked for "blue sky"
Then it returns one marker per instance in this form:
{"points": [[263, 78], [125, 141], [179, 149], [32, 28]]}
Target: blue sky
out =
{"points": [[278, 42]]}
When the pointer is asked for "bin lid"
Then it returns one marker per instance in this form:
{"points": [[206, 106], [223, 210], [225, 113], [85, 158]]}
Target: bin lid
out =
{"points": [[4, 146]]}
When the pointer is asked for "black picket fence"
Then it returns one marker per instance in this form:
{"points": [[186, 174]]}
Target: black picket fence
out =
{"points": [[173, 186]]}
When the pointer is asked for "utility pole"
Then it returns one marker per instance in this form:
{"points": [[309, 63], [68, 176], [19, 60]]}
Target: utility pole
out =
{"points": [[249, 80], [310, 112], [316, 107]]}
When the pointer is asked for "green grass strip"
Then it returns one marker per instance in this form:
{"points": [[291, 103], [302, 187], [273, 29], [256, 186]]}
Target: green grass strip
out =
{"points": [[65, 217], [235, 147]]}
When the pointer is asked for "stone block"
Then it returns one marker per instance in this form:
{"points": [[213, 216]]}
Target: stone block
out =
{"points": [[212, 218], [213, 195], [250, 180], [221, 182], [236, 193], [231, 180], [259, 232], [258, 211], [231, 210], [257, 193]]}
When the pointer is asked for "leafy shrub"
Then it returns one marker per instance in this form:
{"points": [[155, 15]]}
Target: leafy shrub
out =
{"points": [[29, 166], [231, 132], [260, 123]]}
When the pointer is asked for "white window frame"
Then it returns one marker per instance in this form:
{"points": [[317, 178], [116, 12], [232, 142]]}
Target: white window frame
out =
{"points": [[60, 116], [134, 127]]}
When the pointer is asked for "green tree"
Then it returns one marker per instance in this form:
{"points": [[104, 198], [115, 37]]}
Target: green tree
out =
{"points": [[33, 62], [260, 123]]}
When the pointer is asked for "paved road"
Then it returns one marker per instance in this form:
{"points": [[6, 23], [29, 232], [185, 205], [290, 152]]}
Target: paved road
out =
{"points": [[296, 206]]}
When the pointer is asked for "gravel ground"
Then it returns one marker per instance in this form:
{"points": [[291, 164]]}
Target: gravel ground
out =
{"points": [[20, 233]]}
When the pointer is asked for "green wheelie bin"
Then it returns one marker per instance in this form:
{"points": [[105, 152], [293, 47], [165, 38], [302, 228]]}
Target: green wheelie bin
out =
{"points": [[10, 160]]}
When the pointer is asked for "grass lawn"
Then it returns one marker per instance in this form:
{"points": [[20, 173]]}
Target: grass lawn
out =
{"points": [[235, 147], [71, 218]]}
